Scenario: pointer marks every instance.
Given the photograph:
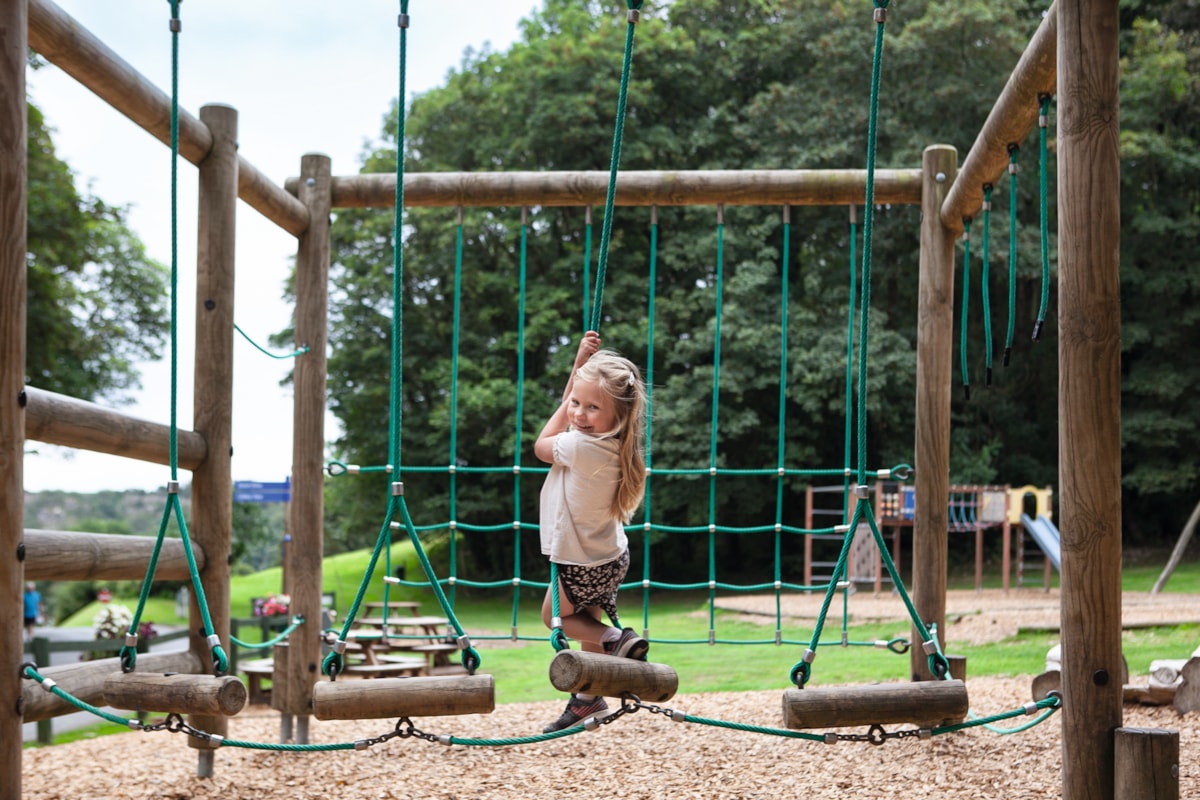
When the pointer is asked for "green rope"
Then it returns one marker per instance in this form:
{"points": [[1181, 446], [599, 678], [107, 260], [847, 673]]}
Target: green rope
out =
{"points": [[614, 165], [128, 653], [649, 450], [1013, 151], [965, 311], [985, 280], [781, 446], [1043, 191], [266, 352], [715, 405], [284, 634]]}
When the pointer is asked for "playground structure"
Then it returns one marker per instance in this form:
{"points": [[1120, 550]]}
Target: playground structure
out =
{"points": [[1084, 41], [969, 509]]}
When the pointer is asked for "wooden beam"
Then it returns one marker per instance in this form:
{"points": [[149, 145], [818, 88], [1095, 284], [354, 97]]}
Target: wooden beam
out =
{"points": [[86, 682], [64, 42], [13, 285], [381, 698], [75, 556], [637, 188], [935, 345], [928, 704], [595, 673], [1089, 392], [58, 419], [1013, 115]]}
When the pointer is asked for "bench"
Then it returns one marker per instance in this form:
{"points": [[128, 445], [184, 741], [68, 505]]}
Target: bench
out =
{"points": [[255, 671], [392, 668]]}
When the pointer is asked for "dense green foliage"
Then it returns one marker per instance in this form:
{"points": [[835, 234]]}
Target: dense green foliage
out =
{"points": [[97, 305], [744, 84]]}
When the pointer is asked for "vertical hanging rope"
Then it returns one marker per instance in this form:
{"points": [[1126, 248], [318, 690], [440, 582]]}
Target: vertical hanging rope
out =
{"points": [[1043, 192], [614, 164], [781, 448], [712, 440], [649, 451], [963, 337], [1014, 150], [173, 508], [848, 452], [985, 280], [454, 365]]}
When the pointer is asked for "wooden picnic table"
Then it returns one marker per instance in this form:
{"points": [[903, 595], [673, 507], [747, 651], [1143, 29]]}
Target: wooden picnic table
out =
{"points": [[429, 625], [428, 641], [392, 605]]}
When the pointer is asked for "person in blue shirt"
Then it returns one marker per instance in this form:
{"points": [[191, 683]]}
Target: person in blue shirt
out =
{"points": [[33, 608]]}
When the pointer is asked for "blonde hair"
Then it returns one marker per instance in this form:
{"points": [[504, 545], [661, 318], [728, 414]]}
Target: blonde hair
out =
{"points": [[620, 379]]}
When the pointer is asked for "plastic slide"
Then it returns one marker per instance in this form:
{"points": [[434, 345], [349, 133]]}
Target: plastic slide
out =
{"points": [[1047, 537]]}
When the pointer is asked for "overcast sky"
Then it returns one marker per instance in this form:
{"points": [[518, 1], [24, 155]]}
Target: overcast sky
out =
{"points": [[305, 76]]}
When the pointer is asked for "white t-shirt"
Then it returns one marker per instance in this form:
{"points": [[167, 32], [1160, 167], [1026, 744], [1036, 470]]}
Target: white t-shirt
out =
{"points": [[577, 525]]}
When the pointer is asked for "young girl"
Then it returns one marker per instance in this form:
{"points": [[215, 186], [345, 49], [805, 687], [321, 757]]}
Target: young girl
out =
{"points": [[594, 444]]}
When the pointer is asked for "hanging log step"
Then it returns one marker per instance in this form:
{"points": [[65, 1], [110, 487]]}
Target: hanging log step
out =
{"points": [[593, 673], [381, 698], [927, 704], [175, 693]]}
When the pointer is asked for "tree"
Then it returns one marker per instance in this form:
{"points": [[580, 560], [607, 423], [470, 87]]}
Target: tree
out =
{"points": [[730, 84], [96, 302]]}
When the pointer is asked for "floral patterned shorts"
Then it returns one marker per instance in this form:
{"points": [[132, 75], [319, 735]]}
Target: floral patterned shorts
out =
{"points": [[594, 586]]}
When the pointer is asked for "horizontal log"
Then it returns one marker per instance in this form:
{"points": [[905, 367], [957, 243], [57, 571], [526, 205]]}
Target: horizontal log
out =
{"points": [[927, 704], [73, 48], [58, 419], [634, 188], [85, 682], [175, 693], [75, 556], [1013, 115], [594, 673], [381, 698]]}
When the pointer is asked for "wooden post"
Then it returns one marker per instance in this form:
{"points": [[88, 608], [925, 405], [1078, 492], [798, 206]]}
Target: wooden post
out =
{"points": [[74, 556], [935, 337], [927, 704], [380, 698], [212, 484], [1089, 403], [302, 566], [13, 54], [1146, 764], [594, 673], [205, 696]]}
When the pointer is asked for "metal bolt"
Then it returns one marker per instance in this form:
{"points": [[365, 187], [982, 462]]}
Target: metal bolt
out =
{"points": [[940, 177]]}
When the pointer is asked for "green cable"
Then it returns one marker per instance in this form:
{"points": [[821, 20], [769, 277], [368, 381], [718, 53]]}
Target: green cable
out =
{"points": [[454, 372], [1013, 151], [1043, 191], [267, 352], [712, 447], [784, 268], [614, 164], [284, 634], [966, 305], [520, 408], [649, 453], [848, 455], [985, 280], [128, 653], [587, 263], [396, 417]]}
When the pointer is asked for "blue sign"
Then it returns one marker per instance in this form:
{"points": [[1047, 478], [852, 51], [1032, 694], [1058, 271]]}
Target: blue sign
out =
{"points": [[259, 492]]}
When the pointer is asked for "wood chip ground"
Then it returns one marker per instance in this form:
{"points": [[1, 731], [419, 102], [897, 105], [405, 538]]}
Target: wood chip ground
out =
{"points": [[639, 755]]}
